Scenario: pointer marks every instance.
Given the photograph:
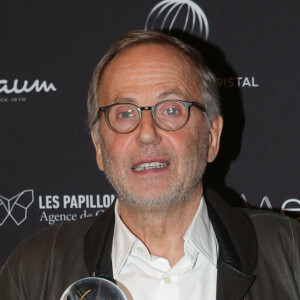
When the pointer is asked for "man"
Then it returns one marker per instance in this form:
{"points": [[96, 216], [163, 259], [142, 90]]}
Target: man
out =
{"points": [[155, 121]]}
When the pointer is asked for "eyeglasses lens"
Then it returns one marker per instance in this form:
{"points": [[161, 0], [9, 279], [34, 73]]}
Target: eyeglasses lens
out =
{"points": [[123, 117], [170, 115]]}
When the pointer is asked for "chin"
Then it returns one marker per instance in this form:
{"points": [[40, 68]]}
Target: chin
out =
{"points": [[151, 204]]}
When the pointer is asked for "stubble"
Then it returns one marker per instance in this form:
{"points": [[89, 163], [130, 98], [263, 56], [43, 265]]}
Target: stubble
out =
{"points": [[179, 191]]}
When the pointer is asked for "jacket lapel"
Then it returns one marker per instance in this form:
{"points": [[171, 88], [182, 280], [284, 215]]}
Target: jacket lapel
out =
{"points": [[237, 248], [97, 245], [231, 283]]}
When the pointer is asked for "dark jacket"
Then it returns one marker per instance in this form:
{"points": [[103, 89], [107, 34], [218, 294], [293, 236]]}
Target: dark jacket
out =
{"points": [[258, 255]]}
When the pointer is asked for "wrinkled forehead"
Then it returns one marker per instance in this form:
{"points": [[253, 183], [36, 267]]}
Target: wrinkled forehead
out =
{"points": [[154, 65]]}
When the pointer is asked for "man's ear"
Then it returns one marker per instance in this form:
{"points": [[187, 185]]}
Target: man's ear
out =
{"points": [[214, 138], [98, 150]]}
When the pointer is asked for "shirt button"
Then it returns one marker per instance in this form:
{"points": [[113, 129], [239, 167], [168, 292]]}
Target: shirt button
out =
{"points": [[167, 280], [140, 249]]}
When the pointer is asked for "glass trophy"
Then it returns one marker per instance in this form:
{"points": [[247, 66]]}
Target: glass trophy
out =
{"points": [[93, 288]]}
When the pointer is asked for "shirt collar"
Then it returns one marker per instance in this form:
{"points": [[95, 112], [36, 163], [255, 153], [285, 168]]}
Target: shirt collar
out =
{"points": [[199, 236], [122, 243]]}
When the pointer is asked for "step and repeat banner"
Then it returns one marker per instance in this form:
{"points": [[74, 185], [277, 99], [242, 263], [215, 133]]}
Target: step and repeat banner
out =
{"points": [[48, 51]]}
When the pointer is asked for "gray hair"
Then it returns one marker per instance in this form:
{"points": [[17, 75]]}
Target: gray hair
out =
{"points": [[208, 81]]}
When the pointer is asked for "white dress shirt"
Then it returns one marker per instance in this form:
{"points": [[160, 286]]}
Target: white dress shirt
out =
{"points": [[143, 276]]}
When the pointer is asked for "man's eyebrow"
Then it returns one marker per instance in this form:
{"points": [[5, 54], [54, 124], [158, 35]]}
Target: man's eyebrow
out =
{"points": [[123, 100], [175, 92]]}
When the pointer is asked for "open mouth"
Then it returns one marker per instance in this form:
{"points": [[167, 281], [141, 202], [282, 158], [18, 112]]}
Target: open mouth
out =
{"points": [[149, 166]]}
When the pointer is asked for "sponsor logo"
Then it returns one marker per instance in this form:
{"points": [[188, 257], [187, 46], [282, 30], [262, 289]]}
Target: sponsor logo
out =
{"points": [[16, 88], [53, 208], [15, 207], [241, 82], [178, 14], [58, 208], [25, 87], [289, 207]]}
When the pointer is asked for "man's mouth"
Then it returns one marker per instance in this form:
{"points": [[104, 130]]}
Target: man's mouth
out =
{"points": [[148, 166]]}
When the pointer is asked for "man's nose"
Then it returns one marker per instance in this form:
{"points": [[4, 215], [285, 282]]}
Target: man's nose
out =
{"points": [[147, 129]]}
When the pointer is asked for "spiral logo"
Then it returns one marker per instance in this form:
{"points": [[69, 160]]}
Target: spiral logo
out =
{"points": [[185, 15]]}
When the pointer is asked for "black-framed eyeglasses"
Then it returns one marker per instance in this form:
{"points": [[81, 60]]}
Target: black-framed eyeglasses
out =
{"points": [[169, 115]]}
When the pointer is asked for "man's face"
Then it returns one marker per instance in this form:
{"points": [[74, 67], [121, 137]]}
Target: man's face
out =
{"points": [[144, 76]]}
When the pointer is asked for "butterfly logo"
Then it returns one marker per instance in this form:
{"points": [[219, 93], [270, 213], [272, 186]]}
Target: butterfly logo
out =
{"points": [[184, 14], [16, 207]]}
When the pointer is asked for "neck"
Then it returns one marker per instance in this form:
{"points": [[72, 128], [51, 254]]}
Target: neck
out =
{"points": [[163, 232]]}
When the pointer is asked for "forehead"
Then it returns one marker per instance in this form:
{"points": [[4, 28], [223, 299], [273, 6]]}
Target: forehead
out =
{"points": [[148, 70]]}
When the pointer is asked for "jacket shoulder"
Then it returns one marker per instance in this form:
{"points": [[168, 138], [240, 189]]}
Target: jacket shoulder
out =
{"points": [[266, 219], [274, 227], [34, 260], [278, 268], [45, 239]]}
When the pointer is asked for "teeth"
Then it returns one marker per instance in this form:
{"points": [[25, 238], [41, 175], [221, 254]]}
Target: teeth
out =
{"points": [[148, 166]]}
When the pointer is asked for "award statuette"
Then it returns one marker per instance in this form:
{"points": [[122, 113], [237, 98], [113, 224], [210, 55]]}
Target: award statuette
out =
{"points": [[93, 288]]}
